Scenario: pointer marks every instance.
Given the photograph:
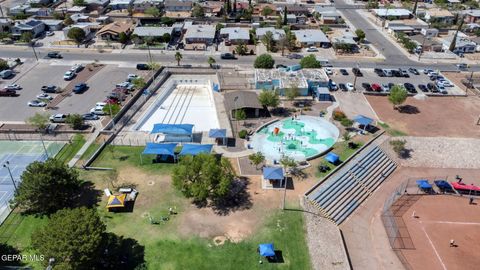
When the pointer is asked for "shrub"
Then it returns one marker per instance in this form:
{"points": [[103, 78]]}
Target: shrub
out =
{"points": [[346, 122], [242, 134], [338, 115]]}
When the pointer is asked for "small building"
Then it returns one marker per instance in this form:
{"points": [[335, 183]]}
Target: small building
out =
{"points": [[408, 26], [96, 4], [112, 31], [462, 45], [277, 33], [20, 9], [76, 9], [295, 9], [472, 16], [429, 32], [236, 35], [120, 4], [322, 94], [328, 14], [200, 33], [428, 44], [393, 13], [311, 37], [152, 31], [35, 27], [6, 25], [273, 177], [80, 18], [258, 9], [438, 15], [39, 2], [212, 9], [142, 5], [53, 25], [291, 18], [86, 27], [245, 100], [178, 5]]}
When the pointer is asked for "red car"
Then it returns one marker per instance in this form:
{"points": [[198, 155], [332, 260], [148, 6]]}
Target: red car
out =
{"points": [[376, 87]]}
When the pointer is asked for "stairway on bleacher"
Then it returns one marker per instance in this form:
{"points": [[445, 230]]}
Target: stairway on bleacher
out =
{"points": [[339, 195]]}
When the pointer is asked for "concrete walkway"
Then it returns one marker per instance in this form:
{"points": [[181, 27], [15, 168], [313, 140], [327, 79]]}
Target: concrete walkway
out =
{"points": [[84, 148], [228, 154]]}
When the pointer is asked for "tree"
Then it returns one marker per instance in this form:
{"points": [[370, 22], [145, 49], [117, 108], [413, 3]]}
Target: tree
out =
{"points": [[268, 41], [279, 22], [398, 146], [267, 11], [269, 98], [211, 61], [264, 61], [283, 42], [325, 29], [72, 236], [291, 40], [178, 58], [26, 37], [123, 38], [310, 61], [397, 95], [414, 11], [229, 7], [235, 6], [3, 65], [166, 37], [153, 11], [453, 44], [75, 121], [79, 3], [68, 21], [240, 115], [287, 162], [292, 92], [47, 187], [39, 120], [198, 11], [285, 19], [360, 34], [167, 21], [372, 4], [256, 159], [203, 177], [77, 34], [139, 83], [241, 49], [410, 45], [111, 109]]}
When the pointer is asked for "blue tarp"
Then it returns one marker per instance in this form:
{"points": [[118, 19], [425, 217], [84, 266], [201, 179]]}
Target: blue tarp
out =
{"points": [[266, 250], [217, 133], [273, 173], [195, 149], [442, 184], [363, 120], [178, 129], [332, 158], [423, 184], [160, 149]]}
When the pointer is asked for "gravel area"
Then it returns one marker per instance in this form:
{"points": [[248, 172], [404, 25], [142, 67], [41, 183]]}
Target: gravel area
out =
{"points": [[440, 152], [324, 242]]}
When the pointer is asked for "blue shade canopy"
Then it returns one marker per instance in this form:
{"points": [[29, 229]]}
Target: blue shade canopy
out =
{"points": [[217, 133], [195, 149], [442, 184], [273, 173], [266, 250], [178, 129], [160, 149], [332, 158], [422, 183], [363, 120]]}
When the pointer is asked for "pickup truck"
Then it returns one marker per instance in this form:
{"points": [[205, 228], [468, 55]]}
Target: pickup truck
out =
{"points": [[8, 93]]}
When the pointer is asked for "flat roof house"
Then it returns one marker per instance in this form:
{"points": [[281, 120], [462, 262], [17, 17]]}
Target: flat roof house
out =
{"points": [[472, 15], [328, 14], [277, 33], [396, 13], [311, 37], [120, 4], [437, 15], [152, 31], [236, 35], [178, 5], [200, 33], [463, 44], [35, 27], [53, 25], [142, 5]]}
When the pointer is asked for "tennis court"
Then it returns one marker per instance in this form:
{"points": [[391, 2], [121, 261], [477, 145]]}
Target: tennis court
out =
{"points": [[14, 158]]}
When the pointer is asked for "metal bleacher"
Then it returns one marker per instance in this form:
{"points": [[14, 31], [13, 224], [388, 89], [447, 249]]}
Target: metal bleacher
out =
{"points": [[348, 187]]}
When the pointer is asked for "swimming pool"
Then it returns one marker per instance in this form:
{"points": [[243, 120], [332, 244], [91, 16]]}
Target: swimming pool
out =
{"points": [[300, 138]]}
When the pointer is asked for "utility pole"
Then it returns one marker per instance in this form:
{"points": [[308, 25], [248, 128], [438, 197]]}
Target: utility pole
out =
{"points": [[355, 78], [236, 122], [469, 83], [7, 165], [423, 43], [34, 52]]}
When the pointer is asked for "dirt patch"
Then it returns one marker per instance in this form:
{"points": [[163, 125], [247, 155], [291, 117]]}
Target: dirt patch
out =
{"points": [[440, 219], [435, 116]]}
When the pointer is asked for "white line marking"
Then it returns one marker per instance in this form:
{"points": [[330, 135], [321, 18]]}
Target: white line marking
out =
{"points": [[434, 249], [452, 222]]}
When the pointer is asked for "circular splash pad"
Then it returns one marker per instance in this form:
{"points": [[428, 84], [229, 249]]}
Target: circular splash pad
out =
{"points": [[300, 138]]}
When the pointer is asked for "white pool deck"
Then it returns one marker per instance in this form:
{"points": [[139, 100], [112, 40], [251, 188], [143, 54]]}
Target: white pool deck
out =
{"points": [[186, 104]]}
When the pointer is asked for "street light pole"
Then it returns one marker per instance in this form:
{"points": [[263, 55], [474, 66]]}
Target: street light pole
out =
{"points": [[236, 122], [7, 165], [355, 78], [43, 144], [34, 52]]}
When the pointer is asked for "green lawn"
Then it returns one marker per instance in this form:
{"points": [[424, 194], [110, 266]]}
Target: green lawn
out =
{"points": [[391, 131], [341, 149], [69, 150]]}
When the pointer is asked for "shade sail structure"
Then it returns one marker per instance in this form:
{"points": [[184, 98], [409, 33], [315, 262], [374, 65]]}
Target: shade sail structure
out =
{"points": [[332, 158], [160, 149], [273, 173], [423, 184], [464, 187], [115, 201], [266, 250], [442, 184], [217, 133], [363, 120], [176, 129], [195, 149]]}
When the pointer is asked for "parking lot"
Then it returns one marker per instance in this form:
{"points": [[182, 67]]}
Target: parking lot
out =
{"points": [[369, 76]]}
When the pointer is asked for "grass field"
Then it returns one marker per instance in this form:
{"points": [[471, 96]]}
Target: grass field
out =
{"points": [[341, 149], [69, 150], [165, 246], [391, 131]]}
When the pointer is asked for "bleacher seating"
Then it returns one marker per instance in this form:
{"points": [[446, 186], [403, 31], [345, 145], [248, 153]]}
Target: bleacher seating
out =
{"points": [[345, 190]]}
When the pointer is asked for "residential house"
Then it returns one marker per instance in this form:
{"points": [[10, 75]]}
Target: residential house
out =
{"points": [[17, 10], [428, 44], [472, 15], [212, 9], [408, 26], [79, 17], [88, 28], [152, 31], [311, 37], [42, 12], [392, 13], [463, 43], [142, 5], [39, 2], [120, 4], [291, 19], [242, 6], [258, 9], [276, 33], [112, 31], [345, 37], [328, 14], [429, 32], [236, 35], [96, 4], [53, 25], [296, 9], [6, 25], [199, 33], [102, 20], [438, 15], [35, 27], [178, 5], [76, 9]]}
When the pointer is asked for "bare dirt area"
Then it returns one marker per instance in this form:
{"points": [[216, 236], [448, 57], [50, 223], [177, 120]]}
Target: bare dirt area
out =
{"points": [[435, 116], [440, 219]]}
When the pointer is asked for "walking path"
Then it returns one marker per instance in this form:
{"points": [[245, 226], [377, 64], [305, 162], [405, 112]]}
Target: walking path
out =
{"points": [[93, 136]]}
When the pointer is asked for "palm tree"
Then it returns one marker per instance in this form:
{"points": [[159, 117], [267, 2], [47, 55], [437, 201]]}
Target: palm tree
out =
{"points": [[178, 57], [268, 41], [211, 61]]}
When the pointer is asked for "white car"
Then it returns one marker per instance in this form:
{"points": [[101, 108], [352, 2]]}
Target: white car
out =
{"points": [[77, 68], [329, 71], [68, 75], [50, 33], [98, 110], [350, 87], [13, 86], [312, 49], [58, 118], [132, 77], [333, 86], [446, 83], [44, 96], [37, 103]]}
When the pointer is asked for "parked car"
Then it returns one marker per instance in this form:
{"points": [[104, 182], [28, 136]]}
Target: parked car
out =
{"points": [[98, 110], [414, 71], [379, 72], [280, 66], [329, 71], [432, 87], [50, 33], [143, 67], [404, 73], [125, 85], [8, 93], [343, 71], [44, 96], [50, 89], [229, 56], [367, 86], [80, 88], [54, 55], [357, 72], [446, 83], [410, 88], [342, 87], [312, 49], [36, 103], [77, 68], [7, 73], [294, 56], [131, 77], [397, 73], [68, 75], [350, 87], [90, 116], [423, 88], [376, 87], [333, 86], [13, 86], [427, 70], [387, 72], [58, 118], [385, 87]]}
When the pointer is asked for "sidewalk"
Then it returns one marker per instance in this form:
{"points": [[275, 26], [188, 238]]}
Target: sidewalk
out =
{"points": [[84, 148]]}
